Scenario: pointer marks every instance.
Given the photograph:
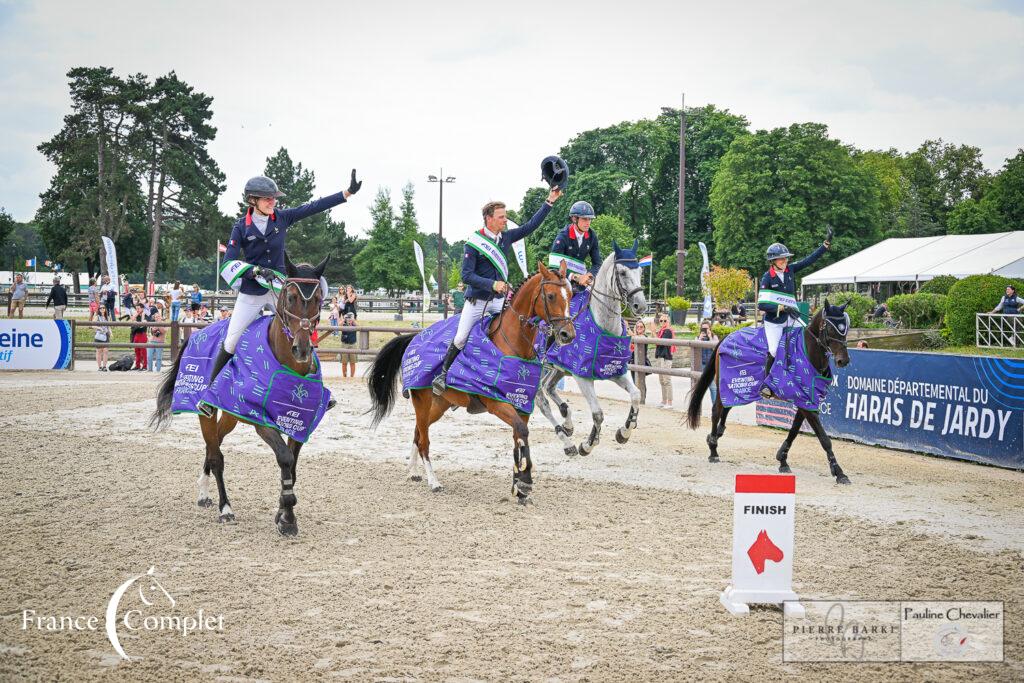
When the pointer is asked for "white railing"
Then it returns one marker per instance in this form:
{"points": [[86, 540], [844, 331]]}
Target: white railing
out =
{"points": [[996, 330]]}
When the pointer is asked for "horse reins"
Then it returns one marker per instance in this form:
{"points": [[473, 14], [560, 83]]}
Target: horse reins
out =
{"points": [[557, 322]]}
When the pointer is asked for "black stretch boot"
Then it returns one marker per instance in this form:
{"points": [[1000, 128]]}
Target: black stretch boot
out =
{"points": [[439, 383], [765, 391], [223, 356]]}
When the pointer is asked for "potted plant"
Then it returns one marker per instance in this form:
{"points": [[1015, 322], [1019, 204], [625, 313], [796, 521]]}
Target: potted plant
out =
{"points": [[680, 306]]}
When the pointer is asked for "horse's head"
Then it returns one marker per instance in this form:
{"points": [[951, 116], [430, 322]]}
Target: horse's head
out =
{"points": [[299, 304], [628, 283], [830, 326], [549, 293]]}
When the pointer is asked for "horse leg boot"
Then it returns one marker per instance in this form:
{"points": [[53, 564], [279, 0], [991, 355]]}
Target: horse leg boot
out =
{"points": [[284, 518], [783, 453], [826, 443], [624, 432], [440, 383], [588, 445]]}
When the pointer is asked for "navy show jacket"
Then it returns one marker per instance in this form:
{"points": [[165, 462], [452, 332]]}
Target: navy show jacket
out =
{"points": [[784, 282], [479, 273]]}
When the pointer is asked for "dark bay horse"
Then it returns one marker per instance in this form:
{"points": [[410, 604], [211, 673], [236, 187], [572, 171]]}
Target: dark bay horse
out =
{"points": [[825, 336], [544, 296], [295, 317]]}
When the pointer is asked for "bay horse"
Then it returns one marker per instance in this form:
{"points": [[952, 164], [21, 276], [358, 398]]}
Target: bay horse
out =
{"points": [[295, 317], [824, 337], [543, 296]]}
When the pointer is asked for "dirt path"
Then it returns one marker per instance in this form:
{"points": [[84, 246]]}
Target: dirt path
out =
{"points": [[613, 574]]}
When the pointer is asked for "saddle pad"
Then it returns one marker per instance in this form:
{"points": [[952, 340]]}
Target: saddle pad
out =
{"points": [[481, 369], [595, 353], [741, 361]]}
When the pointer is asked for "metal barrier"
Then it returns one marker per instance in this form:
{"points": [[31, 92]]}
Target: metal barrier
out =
{"points": [[998, 330]]}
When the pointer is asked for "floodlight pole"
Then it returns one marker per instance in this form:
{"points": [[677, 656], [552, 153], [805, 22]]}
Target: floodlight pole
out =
{"points": [[681, 237]]}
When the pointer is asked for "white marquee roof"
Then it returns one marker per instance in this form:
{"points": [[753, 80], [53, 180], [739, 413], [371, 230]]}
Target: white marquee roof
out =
{"points": [[922, 258]]}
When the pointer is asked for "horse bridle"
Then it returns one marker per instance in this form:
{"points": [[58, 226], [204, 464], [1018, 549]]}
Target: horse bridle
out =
{"points": [[557, 322], [822, 337], [307, 324], [622, 300]]}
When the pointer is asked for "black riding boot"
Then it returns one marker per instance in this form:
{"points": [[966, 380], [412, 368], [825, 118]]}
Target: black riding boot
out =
{"points": [[765, 391], [439, 383], [223, 356]]}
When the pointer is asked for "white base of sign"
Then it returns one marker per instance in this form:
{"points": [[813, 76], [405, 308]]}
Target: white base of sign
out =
{"points": [[738, 601]]}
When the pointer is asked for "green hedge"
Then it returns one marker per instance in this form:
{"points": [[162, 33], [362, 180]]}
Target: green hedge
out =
{"points": [[973, 294], [917, 311], [723, 331], [860, 305], [938, 285]]}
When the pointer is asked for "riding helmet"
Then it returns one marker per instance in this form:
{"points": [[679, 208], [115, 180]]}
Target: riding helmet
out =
{"points": [[555, 172], [777, 250], [581, 209], [262, 186]]}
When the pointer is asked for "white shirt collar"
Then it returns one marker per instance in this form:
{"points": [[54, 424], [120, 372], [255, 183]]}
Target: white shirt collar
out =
{"points": [[492, 235]]}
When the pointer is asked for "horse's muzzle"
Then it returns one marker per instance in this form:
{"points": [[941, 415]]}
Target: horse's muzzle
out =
{"points": [[565, 335]]}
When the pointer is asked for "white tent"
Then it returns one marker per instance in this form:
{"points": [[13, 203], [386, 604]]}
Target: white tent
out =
{"points": [[919, 259]]}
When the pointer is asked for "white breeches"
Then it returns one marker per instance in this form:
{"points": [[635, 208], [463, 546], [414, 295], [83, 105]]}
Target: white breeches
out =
{"points": [[247, 308], [773, 332], [471, 314]]}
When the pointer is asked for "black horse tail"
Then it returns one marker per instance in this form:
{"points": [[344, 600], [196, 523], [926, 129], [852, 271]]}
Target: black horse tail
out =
{"points": [[382, 375], [699, 389], [161, 417]]}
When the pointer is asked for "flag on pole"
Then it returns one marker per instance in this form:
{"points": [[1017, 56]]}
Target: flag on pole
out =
{"points": [[30, 263], [418, 250], [519, 249], [647, 261], [222, 248]]}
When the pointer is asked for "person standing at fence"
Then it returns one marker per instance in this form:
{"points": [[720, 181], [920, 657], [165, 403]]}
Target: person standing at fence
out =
{"points": [[351, 302], [1009, 304], [640, 358], [335, 315], [19, 295], [706, 333], [108, 297], [101, 334], [156, 335], [94, 299], [138, 336], [663, 360], [195, 299], [348, 341], [176, 294], [59, 298]]}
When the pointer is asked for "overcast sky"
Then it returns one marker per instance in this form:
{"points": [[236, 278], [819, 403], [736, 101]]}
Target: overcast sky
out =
{"points": [[399, 89]]}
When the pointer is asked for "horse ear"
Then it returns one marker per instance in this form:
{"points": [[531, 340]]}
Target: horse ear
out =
{"points": [[561, 268], [322, 266], [636, 246], [827, 305], [541, 268], [842, 309], [615, 246], [289, 267]]}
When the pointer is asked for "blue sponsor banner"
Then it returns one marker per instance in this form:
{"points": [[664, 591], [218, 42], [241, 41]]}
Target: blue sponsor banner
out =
{"points": [[35, 344], [968, 407]]}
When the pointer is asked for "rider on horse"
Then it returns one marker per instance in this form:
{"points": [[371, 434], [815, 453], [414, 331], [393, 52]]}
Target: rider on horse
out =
{"points": [[777, 297], [575, 242], [485, 273], [255, 253]]}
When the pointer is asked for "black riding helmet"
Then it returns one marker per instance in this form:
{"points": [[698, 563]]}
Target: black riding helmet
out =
{"points": [[555, 172], [262, 186]]}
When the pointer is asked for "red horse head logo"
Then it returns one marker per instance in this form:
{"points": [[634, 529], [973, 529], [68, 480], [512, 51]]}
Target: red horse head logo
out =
{"points": [[763, 550]]}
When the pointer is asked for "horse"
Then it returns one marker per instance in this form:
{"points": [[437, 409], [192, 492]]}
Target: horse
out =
{"points": [[824, 337], [295, 317], [615, 285], [543, 296]]}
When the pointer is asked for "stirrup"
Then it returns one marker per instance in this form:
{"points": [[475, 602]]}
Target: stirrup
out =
{"points": [[439, 386], [766, 392]]}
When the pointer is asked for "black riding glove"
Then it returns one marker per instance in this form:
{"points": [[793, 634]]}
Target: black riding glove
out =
{"points": [[354, 185], [828, 234]]}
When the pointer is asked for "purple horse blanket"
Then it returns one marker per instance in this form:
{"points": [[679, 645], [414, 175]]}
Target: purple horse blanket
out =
{"points": [[595, 353], [741, 360], [253, 385], [480, 369]]}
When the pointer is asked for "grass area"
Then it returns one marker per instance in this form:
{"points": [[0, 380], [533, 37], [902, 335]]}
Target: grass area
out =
{"points": [[975, 351]]}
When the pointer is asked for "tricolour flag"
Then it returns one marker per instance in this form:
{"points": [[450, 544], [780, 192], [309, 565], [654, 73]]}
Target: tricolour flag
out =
{"points": [[647, 261], [30, 263], [220, 247]]}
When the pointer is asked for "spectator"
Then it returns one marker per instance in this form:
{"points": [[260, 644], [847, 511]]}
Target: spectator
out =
{"points": [[176, 293], [225, 313], [335, 314], [127, 305], [150, 307], [101, 335], [739, 313], [348, 341], [196, 298], [156, 335], [94, 299], [879, 311], [1009, 304], [640, 358], [350, 301], [706, 333], [663, 359], [204, 315], [186, 319], [138, 336], [862, 344], [19, 295], [459, 298], [108, 296], [59, 298]]}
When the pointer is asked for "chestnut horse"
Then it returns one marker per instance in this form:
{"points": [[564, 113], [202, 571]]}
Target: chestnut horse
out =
{"points": [[295, 317], [544, 296]]}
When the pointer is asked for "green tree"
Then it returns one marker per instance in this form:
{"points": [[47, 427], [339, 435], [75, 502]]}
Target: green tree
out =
{"points": [[972, 217], [386, 260], [786, 185], [1008, 192], [887, 169], [7, 224]]}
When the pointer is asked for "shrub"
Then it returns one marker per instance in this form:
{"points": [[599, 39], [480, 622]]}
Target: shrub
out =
{"points": [[723, 331], [678, 303], [973, 294], [933, 339], [860, 305], [938, 285], [918, 310]]}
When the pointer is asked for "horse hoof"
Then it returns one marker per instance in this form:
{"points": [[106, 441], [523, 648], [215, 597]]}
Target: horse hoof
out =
{"points": [[620, 437], [569, 429], [713, 458], [415, 477], [524, 500], [842, 479], [785, 469], [205, 502], [584, 451], [286, 529], [571, 451], [226, 518], [437, 489]]}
